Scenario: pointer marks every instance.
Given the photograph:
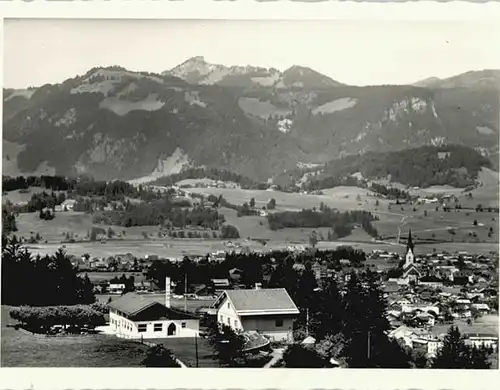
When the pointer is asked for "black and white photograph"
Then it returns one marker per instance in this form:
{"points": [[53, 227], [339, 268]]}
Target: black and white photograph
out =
{"points": [[207, 193]]}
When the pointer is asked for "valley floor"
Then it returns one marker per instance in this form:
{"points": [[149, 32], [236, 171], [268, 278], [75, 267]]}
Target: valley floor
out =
{"points": [[180, 248]]}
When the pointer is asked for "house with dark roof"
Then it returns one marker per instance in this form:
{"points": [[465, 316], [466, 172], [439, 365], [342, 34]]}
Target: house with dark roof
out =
{"points": [[143, 316], [270, 312]]}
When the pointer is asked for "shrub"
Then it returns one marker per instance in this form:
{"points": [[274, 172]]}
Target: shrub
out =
{"points": [[229, 231], [42, 318], [159, 356]]}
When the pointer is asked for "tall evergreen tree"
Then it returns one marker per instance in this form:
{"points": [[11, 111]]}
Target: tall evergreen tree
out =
{"points": [[285, 276], [227, 344], [40, 281], [365, 326], [456, 354], [328, 311], [355, 326]]}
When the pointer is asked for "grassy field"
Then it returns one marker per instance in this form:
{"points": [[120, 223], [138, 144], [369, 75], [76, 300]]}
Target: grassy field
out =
{"points": [[76, 223], [185, 350], [485, 324], [343, 198], [24, 350], [54, 230], [426, 224], [178, 248], [258, 227], [436, 224], [139, 248]]}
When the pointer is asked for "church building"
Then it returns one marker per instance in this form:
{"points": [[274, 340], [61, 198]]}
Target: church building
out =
{"points": [[410, 271]]}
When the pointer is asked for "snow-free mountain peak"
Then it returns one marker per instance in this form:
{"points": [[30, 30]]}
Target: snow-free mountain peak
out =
{"points": [[197, 71]]}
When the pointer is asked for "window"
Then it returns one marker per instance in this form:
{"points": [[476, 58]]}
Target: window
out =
{"points": [[279, 323], [183, 324], [141, 328], [235, 323], [229, 321], [158, 327], [221, 318], [228, 305]]}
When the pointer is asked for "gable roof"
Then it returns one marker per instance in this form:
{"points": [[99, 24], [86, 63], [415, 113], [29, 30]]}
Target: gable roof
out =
{"points": [[133, 304], [410, 268], [259, 302]]}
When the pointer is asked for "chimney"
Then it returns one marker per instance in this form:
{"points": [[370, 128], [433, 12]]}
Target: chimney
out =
{"points": [[167, 292], [258, 286]]}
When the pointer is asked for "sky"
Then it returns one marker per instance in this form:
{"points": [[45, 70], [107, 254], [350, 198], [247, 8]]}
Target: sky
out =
{"points": [[41, 51]]}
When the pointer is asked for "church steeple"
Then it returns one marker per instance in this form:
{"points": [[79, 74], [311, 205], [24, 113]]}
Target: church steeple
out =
{"points": [[409, 245]]}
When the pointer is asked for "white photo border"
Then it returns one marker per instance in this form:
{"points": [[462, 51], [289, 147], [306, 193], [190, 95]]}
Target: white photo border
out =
{"points": [[138, 378]]}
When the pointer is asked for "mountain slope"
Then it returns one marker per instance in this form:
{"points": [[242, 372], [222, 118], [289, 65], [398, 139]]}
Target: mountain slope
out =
{"points": [[425, 166], [488, 78], [117, 124], [349, 120], [114, 123]]}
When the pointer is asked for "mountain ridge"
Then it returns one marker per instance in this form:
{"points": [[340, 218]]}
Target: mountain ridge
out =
{"points": [[196, 70], [471, 79], [114, 123]]}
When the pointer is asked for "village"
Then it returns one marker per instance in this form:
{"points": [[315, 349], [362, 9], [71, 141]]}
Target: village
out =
{"points": [[425, 294]]}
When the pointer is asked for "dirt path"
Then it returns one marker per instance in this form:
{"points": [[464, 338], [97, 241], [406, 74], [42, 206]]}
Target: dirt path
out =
{"points": [[401, 224], [277, 354]]}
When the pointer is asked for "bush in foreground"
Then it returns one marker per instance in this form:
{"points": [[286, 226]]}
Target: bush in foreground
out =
{"points": [[41, 319], [299, 356]]}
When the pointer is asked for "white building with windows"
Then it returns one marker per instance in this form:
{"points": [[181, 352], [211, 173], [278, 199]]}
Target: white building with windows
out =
{"points": [[116, 288], [479, 340], [270, 312], [141, 316]]}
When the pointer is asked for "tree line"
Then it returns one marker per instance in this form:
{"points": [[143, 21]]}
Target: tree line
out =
{"points": [[162, 212], [82, 186], [210, 173], [40, 280], [54, 183], [254, 267], [341, 222], [390, 192]]}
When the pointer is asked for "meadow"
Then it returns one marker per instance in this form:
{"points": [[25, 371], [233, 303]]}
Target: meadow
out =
{"points": [[452, 231], [77, 224], [180, 248], [20, 349], [484, 324], [342, 198], [185, 350]]}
